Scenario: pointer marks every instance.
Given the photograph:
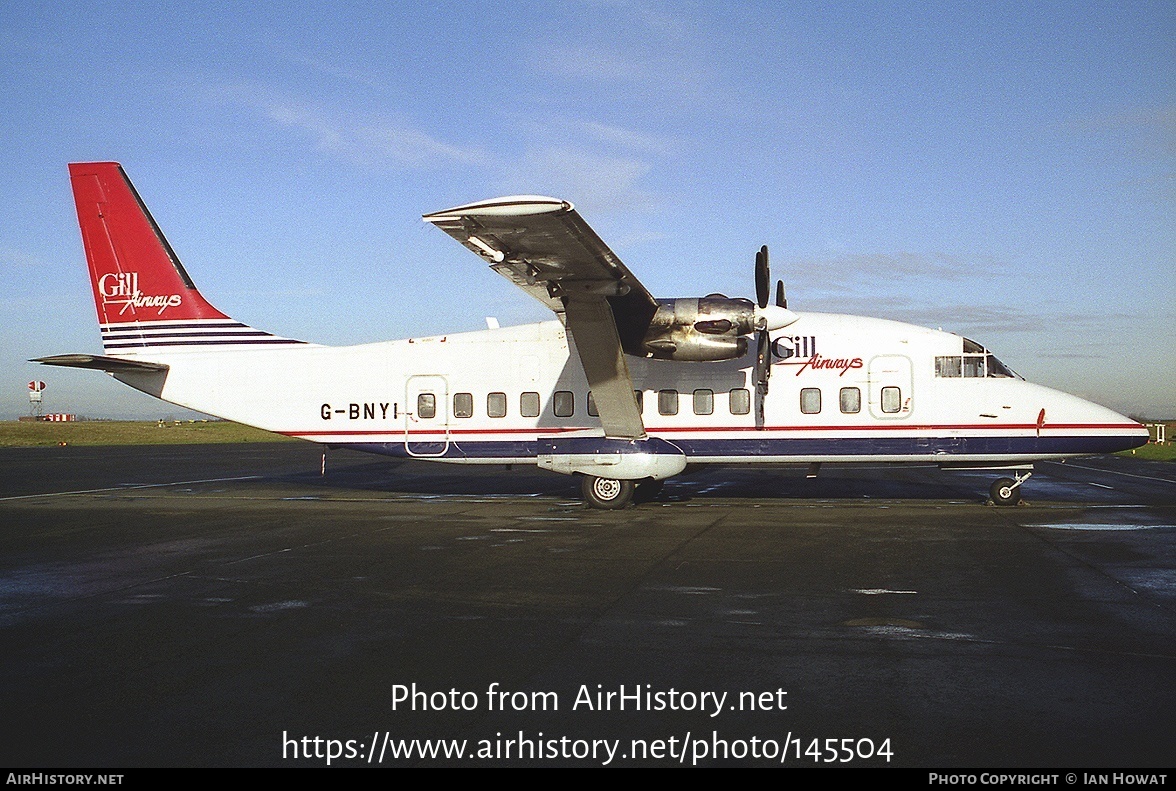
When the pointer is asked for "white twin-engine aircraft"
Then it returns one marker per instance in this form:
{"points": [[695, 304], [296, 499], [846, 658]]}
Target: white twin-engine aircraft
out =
{"points": [[622, 389]]}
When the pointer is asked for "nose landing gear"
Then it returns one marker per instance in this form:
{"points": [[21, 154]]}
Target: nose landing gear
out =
{"points": [[1007, 491]]}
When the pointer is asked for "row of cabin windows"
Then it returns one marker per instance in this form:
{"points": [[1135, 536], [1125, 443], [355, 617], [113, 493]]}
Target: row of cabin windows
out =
{"points": [[563, 402], [738, 402], [850, 400]]}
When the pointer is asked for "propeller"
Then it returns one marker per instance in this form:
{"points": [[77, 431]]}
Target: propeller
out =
{"points": [[763, 359], [763, 341], [763, 280]]}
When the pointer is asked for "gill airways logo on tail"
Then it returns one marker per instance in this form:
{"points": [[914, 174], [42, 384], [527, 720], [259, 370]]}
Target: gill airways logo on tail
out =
{"points": [[122, 288]]}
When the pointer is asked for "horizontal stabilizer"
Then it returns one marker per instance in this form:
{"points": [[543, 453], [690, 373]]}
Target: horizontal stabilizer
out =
{"points": [[114, 365]]}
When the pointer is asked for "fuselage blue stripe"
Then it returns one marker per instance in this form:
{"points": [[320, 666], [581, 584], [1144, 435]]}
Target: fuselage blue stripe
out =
{"points": [[934, 449]]}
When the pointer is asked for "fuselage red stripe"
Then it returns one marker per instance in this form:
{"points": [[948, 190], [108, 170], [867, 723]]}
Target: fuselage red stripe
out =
{"points": [[1048, 428]]}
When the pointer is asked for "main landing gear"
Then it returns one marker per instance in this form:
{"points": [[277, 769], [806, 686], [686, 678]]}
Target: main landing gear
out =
{"points": [[606, 493], [612, 494], [1007, 491]]}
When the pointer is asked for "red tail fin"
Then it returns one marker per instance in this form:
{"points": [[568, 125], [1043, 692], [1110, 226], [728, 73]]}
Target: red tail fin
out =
{"points": [[144, 297], [135, 274]]}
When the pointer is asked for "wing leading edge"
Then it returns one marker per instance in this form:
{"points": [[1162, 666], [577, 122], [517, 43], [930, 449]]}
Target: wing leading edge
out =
{"points": [[543, 246]]}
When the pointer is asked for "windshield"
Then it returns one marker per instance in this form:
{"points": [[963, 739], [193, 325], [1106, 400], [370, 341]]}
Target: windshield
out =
{"points": [[975, 363], [997, 368]]}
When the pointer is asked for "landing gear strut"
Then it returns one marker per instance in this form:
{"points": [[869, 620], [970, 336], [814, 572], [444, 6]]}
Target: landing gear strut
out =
{"points": [[1007, 491], [606, 493]]}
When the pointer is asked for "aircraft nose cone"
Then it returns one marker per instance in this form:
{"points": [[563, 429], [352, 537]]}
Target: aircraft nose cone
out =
{"points": [[1127, 433], [1089, 427]]}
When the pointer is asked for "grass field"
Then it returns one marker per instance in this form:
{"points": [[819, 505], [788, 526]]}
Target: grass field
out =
{"points": [[103, 432], [1165, 452]]}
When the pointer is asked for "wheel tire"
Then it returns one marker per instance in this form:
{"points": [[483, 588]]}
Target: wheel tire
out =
{"points": [[1005, 491], [606, 493], [647, 491]]}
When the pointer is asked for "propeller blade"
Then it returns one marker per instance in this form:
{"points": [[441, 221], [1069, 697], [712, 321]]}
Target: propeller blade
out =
{"points": [[763, 358], [781, 299], [763, 280]]}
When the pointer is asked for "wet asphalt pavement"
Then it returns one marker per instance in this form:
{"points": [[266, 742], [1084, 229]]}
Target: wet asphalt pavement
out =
{"points": [[227, 605]]}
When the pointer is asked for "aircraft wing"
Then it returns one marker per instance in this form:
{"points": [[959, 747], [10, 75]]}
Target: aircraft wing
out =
{"points": [[543, 246]]}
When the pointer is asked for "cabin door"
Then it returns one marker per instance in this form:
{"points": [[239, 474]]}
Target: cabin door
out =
{"points": [[891, 389], [426, 416]]}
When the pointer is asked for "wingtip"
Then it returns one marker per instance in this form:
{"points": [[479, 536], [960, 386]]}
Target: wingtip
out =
{"points": [[507, 206]]}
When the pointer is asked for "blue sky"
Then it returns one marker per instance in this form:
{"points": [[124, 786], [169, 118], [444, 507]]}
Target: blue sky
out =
{"points": [[1003, 170]]}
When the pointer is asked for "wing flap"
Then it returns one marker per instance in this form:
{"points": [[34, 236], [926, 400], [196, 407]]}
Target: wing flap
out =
{"points": [[592, 327]]}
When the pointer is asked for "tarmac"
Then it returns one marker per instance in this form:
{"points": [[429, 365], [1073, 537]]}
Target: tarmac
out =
{"points": [[231, 606]]}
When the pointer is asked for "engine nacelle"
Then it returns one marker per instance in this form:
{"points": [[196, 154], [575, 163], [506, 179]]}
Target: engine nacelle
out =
{"points": [[700, 330]]}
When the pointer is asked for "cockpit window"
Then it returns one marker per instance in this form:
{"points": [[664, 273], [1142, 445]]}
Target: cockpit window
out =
{"points": [[998, 369], [975, 363], [951, 367]]}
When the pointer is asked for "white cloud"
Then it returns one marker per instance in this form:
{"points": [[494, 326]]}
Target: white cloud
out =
{"points": [[960, 316], [1151, 130], [590, 63], [853, 273], [15, 259], [629, 139], [594, 181], [600, 166], [650, 16], [371, 140]]}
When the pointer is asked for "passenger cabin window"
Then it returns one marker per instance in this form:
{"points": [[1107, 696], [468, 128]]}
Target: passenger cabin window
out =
{"points": [[592, 405], [426, 405], [667, 402], [563, 403], [704, 402], [529, 405], [810, 400], [740, 401], [851, 400], [891, 400], [463, 404], [640, 396], [496, 405]]}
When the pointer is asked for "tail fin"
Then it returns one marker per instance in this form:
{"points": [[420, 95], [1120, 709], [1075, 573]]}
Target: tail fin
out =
{"points": [[144, 296]]}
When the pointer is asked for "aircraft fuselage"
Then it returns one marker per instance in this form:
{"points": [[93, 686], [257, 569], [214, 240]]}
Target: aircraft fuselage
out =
{"points": [[843, 389]]}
